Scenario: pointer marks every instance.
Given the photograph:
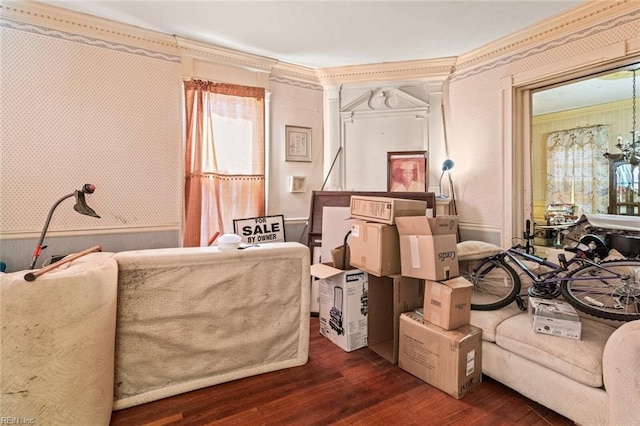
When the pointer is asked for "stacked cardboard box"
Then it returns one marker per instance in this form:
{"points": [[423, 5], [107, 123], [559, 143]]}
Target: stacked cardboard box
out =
{"points": [[428, 247], [450, 360], [385, 209], [374, 248], [408, 261], [388, 298], [438, 344], [374, 240]]}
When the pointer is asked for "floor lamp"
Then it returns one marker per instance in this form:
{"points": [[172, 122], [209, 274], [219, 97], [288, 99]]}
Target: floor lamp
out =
{"points": [[80, 206], [446, 166]]}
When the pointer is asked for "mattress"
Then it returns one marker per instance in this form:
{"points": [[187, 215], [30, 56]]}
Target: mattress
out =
{"points": [[58, 334], [190, 318]]}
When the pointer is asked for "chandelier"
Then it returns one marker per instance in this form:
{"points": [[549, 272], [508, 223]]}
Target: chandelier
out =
{"points": [[631, 149]]}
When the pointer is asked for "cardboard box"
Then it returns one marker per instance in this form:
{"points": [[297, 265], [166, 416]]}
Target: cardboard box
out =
{"points": [[447, 304], [448, 360], [555, 317], [385, 209], [343, 305], [388, 298], [428, 247], [375, 248]]}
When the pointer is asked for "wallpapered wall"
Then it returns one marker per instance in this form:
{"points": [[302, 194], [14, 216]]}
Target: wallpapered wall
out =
{"points": [[294, 104], [477, 137], [81, 110], [110, 114], [78, 110]]}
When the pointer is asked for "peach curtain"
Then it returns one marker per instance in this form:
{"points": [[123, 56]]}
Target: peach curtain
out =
{"points": [[224, 158]]}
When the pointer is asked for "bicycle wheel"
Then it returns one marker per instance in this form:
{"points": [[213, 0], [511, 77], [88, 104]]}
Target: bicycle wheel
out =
{"points": [[609, 290], [495, 285]]}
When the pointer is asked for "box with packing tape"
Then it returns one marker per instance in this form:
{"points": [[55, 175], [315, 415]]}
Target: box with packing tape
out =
{"points": [[375, 248], [428, 247], [385, 209], [450, 360], [555, 317], [447, 304]]}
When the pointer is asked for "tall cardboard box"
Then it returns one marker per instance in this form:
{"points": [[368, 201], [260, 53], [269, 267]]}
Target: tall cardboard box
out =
{"points": [[388, 298], [385, 209], [343, 305], [450, 360], [375, 248], [428, 247], [447, 304]]}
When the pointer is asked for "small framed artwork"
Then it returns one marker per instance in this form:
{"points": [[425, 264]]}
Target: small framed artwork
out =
{"points": [[298, 143], [407, 171]]}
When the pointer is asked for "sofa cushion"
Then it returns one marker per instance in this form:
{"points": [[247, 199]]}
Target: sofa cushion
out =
{"points": [[488, 321], [580, 360]]}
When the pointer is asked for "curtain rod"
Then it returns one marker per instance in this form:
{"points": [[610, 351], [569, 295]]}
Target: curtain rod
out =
{"points": [[581, 127]]}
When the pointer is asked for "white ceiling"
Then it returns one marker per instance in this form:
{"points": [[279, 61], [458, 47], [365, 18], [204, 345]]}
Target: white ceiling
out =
{"points": [[333, 33]]}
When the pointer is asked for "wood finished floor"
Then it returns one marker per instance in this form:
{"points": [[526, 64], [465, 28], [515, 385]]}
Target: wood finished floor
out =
{"points": [[339, 388]]}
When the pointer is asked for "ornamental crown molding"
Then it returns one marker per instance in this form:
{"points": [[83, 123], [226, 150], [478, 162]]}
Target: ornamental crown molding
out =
{"points": [[207, 52], [419, 70], [579, 18], [44, 15], [295, 72]]}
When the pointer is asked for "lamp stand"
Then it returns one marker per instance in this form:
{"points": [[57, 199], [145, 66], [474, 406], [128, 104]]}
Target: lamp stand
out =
{"points": [[38, 249]]}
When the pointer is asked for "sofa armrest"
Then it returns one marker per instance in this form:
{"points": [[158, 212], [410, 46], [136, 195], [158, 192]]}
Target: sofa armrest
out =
{"points": [[621, 374]]}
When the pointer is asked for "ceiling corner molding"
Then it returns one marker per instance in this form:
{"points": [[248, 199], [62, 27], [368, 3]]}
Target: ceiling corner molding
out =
{"points": [[44, 15], [420, 70], [283, 70], [211, 53], [578, 19]]}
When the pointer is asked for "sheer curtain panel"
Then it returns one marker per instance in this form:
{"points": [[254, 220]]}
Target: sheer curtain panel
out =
{"points": [[577, 170], [224, 157]]}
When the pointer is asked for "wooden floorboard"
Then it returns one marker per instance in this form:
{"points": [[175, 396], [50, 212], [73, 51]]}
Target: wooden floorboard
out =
{"points": [[339, 388]]}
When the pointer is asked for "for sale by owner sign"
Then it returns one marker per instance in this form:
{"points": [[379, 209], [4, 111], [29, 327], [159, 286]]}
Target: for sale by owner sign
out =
{"points": [[256, 230]]}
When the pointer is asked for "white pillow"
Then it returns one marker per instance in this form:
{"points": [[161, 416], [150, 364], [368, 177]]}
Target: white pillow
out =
{"points": [[475, 250]]}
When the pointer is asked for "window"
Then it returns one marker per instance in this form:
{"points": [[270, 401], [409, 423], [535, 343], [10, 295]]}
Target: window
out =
{"points": [[224, 158]]}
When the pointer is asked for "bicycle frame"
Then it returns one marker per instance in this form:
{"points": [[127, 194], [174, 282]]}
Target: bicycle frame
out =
{"points": [[605, 289], [556, 273]]}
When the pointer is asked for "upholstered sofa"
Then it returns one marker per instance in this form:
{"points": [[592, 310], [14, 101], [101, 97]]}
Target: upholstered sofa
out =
{"points": [[108, 331], [592, 381]]}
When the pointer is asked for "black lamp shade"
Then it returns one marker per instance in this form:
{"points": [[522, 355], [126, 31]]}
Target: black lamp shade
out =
{"points": [[82, 207]]}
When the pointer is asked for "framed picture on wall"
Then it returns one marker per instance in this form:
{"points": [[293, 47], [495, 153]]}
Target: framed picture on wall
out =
{"points": [[407, 171], [297, 143]]}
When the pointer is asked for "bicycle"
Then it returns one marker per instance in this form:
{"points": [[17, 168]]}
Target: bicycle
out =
{"points": [[605, 289]]}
